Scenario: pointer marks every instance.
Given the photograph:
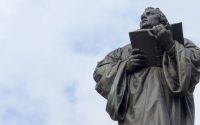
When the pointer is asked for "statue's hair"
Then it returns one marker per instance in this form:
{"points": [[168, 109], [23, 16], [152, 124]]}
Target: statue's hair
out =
{"points": [[163, 18]]}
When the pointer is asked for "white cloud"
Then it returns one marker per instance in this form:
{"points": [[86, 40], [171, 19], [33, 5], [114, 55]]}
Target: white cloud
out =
{"points": [[50, 47]]}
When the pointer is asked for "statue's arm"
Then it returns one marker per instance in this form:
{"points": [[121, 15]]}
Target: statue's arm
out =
{"points": [[193, 53], [181, 65], [105, 72]]}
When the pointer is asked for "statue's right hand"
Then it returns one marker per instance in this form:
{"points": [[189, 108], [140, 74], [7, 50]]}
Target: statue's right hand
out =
{"points": [[136, 61]]}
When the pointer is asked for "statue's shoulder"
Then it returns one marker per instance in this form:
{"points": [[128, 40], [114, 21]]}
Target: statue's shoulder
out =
{"points": [[190, 45], [127, 46], [122, 49], [125, 51], [121, 52], [186, 41]]}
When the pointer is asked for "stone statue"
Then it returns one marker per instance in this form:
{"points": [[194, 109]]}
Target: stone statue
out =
{"points": [[150, 95]]}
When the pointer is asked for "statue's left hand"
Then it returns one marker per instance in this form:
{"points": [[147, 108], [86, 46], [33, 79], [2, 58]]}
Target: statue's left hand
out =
{"points": [[164, 36]]}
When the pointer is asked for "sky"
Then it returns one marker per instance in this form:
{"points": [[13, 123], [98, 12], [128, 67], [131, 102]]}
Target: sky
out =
{"points": [[49, 50]]}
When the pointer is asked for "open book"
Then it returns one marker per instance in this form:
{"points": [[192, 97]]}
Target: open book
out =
{"points": [[149, 45]]}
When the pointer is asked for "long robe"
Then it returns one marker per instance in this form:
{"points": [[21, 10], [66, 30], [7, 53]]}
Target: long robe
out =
{"points": [[152, 95]]}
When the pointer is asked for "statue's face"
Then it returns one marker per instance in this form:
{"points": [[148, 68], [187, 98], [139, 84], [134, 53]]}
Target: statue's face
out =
{"points": [[149, 19]]}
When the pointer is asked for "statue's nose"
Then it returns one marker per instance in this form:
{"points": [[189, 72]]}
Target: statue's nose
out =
{"points": [[143, 16]]}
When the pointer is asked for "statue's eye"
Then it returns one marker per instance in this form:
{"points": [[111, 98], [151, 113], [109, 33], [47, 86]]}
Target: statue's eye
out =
{"points": [[149, 13]]}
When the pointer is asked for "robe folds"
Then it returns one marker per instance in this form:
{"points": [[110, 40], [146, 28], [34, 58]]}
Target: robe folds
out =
{"points": [[152, 95]]}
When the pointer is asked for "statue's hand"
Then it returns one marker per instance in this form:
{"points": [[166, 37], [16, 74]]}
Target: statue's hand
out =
{"points": [[164, 36], [136, 61]]}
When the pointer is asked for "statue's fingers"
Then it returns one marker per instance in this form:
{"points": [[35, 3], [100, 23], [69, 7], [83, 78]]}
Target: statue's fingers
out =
{"points": [[151, 33], [162, 26], [138, 64], [141, 61], [136, 51], [155, 31], [155, 28], [162, 31], [139, 56], [158, 28]]}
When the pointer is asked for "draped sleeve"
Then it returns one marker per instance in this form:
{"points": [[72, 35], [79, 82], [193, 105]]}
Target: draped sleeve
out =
{"points": [[181, 66], [111, 82], [106, 71]]}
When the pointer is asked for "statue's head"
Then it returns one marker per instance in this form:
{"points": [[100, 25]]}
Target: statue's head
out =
{"points": [[152, 17]]}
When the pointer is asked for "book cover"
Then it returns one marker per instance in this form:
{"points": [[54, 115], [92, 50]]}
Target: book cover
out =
{"points": [[149, 45]]}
